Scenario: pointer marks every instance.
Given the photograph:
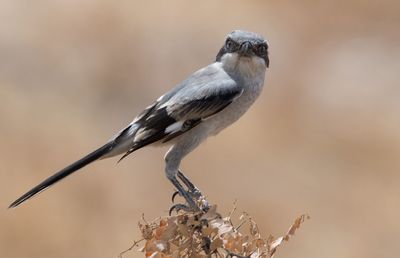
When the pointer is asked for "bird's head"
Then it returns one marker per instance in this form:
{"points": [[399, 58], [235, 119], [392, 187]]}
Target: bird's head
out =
{"points": [[243, 48]]}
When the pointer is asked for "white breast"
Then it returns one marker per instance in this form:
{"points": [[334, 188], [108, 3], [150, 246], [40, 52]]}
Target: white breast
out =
{"points": [[252, 74], [235, 110]]}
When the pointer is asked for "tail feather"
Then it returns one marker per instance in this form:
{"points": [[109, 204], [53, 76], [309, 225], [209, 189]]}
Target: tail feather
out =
{"points": [[95, 155]]}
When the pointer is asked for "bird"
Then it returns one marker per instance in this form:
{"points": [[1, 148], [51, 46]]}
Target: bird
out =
{"points": [[202, 105]]}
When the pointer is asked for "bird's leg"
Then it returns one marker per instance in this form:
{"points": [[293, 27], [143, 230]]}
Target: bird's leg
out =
{"points": [[185, 194], [192, 188], [192, 195], [197, 196]]}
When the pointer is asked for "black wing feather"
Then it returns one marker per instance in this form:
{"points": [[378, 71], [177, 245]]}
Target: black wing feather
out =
{"points": [[191, 112]]}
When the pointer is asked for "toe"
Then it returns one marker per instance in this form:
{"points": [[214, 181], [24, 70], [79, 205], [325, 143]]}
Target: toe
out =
{"points": [[174, 195], [177, 208]]}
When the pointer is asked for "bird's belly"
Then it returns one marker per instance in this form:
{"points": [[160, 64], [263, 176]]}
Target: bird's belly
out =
{"points": [[233, 112]]}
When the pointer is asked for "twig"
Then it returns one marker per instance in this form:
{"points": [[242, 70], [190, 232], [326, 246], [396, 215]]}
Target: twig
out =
{"points": [[231, 213], [234, 209], [241, 224], [130, 248]]}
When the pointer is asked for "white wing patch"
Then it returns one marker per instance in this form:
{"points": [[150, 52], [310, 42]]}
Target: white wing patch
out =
{"points": [[142, 133], [132, 128], [160, 98], [175, 127]]}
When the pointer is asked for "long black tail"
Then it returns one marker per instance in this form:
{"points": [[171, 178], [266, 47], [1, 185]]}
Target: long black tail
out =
{"points": [[95, 155]]}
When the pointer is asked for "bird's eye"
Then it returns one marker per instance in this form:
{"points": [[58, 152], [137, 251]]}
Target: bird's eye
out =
{"points": [[262, 49], [230, 45]]}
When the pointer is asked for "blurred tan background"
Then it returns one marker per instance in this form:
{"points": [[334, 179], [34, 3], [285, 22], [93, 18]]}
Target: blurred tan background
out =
{"points": [[324, 137]]}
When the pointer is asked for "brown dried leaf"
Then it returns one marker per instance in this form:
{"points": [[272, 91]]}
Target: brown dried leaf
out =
{"points": [[259, 243], [210, 214], [170, 231], [222, 226], [233, 243], [160, 230], [296, 225], [254, 229], [184, 230], [147, 232], [175, 254], [155, 246], [208, 231], [274, 243], [215, 244], [156, 255]]}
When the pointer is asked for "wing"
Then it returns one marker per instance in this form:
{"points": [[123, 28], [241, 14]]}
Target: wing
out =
{"points": [[202, 95]]}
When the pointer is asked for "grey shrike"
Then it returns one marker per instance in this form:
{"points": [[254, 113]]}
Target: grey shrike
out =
{"points": [[206, 102]]}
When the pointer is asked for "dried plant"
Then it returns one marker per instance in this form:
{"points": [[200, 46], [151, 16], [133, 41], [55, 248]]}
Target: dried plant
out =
{"points": [[207, 234]]}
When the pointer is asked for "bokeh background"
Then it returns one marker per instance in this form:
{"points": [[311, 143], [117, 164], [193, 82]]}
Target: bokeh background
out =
{"points": [[323, 139]]}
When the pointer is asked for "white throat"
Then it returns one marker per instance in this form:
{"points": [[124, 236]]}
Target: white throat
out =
{"points": [[246, 67]]}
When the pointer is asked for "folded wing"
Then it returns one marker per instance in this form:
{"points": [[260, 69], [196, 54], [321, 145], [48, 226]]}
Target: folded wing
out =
{"points": [[202, 95]]}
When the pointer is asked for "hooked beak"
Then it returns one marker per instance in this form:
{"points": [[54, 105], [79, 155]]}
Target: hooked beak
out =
{"points": [[246, 49]]}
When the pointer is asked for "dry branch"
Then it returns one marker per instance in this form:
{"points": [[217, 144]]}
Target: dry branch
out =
{"points": [[208, 234]]}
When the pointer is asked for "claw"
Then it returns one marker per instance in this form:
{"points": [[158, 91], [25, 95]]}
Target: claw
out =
{"points": [[195, 196], [174, 195], [178, 207], [195, 201]]}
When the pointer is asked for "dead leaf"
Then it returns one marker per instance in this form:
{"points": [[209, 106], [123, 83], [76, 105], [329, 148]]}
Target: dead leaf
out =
{"points": [[200, 235], [274, 243]]}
